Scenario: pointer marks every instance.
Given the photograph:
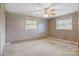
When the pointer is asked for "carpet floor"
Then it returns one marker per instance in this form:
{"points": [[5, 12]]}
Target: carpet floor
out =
{"points": [[41, 47]]}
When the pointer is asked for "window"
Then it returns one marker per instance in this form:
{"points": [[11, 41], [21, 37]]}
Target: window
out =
{"points": [[31, 24], [64, 24]]}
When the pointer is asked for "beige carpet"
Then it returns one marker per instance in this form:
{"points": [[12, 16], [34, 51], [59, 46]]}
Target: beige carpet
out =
{"points": [[41, 47]]}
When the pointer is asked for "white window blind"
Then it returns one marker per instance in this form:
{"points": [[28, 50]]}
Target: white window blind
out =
{"points": [[31, 24], [64, 24]]}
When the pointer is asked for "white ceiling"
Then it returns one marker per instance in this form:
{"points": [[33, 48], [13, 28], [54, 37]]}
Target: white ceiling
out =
{"points": [[32, 8]]}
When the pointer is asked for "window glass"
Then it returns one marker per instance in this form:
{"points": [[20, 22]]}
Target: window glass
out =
{"points": [[31, 24], [64, 24]]}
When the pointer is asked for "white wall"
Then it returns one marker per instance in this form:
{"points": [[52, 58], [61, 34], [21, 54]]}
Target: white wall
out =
{"points": [[2, 28], [15, 30], [70, 35]]}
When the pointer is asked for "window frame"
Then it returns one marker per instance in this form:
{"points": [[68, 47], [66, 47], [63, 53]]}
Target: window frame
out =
{"points": [[25, 27], [70, 18]]}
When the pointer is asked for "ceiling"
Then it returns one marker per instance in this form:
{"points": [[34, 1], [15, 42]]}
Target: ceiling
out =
{"points": [[31, 9]]}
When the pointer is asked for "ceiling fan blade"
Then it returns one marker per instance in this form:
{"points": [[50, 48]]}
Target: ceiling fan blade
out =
{"points": [[52, 10], [51, 5], [52, 13]]}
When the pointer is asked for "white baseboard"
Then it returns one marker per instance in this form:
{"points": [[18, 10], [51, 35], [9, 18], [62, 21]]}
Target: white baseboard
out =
{"points": [[64, 40]]}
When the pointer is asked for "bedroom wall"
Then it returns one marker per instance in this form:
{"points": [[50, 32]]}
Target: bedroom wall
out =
{"points": [[70, 35], [78, 27], [15, 30], [78, 30], [2, 28]]}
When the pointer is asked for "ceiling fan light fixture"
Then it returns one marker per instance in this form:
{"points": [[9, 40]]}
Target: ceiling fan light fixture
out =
{"points": [[46, 15]]}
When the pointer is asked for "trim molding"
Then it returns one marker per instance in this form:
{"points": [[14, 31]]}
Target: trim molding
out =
{"points": [[72, 42]]}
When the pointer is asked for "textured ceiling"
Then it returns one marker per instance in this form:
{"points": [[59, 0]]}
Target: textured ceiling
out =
{"points": [[32, 8]]}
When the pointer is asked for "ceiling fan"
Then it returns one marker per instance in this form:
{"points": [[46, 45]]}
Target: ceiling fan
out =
{"points": [[49, 12], [46, 11]]}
